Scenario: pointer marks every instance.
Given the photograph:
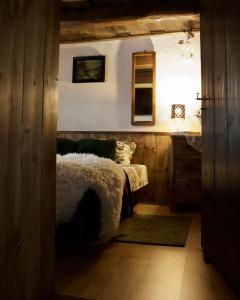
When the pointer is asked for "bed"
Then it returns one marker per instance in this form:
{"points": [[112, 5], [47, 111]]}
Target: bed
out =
{"points": [[137, 175], [94, 194]]}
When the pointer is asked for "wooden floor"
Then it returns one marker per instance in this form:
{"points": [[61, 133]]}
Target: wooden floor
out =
{"points": [[66, 297], [141, 272]]}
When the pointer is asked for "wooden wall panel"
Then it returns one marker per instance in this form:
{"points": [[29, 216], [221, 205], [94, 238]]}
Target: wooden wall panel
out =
{"points": [[208, 108], [10, 171], [221, 239], [139, 152], [48, 176], [232, 25], [208, 121], [29, 40], [220, 101], [163, 168], [153, 150]]}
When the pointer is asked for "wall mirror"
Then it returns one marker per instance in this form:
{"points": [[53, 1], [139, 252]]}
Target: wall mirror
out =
{"points": [[143, 88]]}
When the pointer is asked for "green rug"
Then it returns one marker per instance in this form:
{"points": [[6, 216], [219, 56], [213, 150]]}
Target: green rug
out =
{"points": [[154, 230]]}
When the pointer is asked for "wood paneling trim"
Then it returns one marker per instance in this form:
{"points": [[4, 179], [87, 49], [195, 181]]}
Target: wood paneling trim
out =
{"points": [[191, 133]]}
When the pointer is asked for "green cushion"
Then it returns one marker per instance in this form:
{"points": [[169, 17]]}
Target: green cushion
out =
{"points": [[101, 148], [65, 146]]}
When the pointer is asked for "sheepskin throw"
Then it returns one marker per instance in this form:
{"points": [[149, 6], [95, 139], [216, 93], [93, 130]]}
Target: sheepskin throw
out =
{"points": [[76, 173]]}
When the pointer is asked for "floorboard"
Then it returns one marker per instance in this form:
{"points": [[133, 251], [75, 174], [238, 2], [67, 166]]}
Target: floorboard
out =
{"points": [[66, 297], [122, 271]]}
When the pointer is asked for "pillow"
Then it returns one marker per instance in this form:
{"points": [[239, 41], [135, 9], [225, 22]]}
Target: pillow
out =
{"points": [[124, 152], [101, 148], [65, 146]]}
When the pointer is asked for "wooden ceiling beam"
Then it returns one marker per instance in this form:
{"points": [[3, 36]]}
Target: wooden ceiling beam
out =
{"points": [[136, 9], [81, 39]]}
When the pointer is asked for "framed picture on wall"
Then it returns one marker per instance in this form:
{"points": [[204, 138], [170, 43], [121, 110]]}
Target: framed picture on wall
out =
{"points": [[88, 69]]}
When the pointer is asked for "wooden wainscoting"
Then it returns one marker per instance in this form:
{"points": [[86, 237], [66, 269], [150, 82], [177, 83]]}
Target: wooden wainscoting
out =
{"points": [[153, 150]]}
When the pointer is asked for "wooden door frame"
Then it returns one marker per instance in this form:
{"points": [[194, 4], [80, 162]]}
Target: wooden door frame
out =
{"points": [[28, 77], [200, 31]]}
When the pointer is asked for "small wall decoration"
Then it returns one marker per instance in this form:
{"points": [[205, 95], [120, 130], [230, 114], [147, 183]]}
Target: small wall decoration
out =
{"points": [[88, 69]]}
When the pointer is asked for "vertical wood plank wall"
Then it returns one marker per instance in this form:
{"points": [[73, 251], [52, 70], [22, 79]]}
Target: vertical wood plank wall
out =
{"points": [[153, 150], [28, 76], [208, 121], [221, 136]]}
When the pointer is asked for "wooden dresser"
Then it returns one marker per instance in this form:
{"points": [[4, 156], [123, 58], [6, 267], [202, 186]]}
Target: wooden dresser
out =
{"points": [[185, 173]]}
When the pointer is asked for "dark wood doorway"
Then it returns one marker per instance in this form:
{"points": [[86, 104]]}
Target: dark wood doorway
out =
{"points": [[28, 79], [28, 76], [220, 21]]}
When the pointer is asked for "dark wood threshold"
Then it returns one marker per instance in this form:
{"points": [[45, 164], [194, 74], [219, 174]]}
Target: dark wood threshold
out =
{"points": [[66, 297]]}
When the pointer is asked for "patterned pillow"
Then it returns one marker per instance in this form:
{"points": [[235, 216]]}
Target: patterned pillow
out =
{"points": [[124, 152]]}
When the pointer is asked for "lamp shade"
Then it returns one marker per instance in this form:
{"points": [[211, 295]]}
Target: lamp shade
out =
{"points": [[178, 111]]}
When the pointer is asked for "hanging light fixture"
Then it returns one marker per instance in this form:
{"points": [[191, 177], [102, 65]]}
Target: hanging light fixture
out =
{"points": [[186, 47]]}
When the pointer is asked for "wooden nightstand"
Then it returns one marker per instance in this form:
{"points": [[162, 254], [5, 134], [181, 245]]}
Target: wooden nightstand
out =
{"points": [[185, 187]]}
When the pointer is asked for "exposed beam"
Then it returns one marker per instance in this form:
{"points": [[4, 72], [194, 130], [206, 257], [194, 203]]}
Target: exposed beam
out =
{"points": [[136, 9], [80, 39]]}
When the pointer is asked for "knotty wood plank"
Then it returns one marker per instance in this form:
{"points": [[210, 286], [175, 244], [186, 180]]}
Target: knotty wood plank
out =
{"points": [[150, 151], [31, 143], [220, 214], [208, 115], [49, 128], [233, 84], [150, 159], [23, 243], [138, 156], [10, 132], [162, 173], [220, 119], [231, 204]]}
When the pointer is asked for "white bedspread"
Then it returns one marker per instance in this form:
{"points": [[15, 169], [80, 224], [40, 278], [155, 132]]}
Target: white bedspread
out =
{"points": [[76, 173], [137, 175]]}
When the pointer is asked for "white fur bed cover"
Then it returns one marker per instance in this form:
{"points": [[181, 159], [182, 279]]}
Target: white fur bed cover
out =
{"points": [[76, 173]]}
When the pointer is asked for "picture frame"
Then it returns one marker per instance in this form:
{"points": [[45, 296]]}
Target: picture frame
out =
{"points": [[88, 69]]}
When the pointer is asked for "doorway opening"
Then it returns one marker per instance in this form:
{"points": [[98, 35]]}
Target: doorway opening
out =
{"points": [[102, 111]]}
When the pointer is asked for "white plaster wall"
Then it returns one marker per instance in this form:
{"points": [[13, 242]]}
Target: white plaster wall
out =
{"points": [[107, 106]]}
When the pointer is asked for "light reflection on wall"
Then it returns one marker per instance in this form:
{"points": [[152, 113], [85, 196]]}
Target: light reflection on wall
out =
{"points": [[177, 81]]}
